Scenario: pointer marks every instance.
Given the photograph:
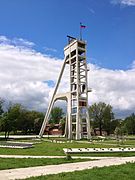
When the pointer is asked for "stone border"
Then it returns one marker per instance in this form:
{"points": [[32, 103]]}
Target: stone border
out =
{"points": [[97, 150]]}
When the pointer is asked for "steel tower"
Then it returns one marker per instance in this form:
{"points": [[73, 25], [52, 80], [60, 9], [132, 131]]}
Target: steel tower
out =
{"points": [[77, 121]]}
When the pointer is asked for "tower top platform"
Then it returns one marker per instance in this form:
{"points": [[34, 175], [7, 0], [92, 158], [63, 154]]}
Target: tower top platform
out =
{"points": [[72, 41]]}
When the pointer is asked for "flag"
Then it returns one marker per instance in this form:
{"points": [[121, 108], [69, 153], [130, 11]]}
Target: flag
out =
{"points": [[82, 26]]}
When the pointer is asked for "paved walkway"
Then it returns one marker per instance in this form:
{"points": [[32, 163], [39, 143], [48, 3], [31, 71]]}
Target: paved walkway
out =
{"points": [[74, 157], [23, 173], [28, 136]]}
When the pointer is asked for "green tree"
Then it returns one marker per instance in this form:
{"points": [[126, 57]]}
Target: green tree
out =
{"points": [[108, 116], [10, 118], [114, 123], [1, 107], [6, 125], [101, 116], [1, 112], [38, 120], [62, 123], [120, 131], [25, 122], [130, 124], [30, 121], [14, 114], [56, 115]]}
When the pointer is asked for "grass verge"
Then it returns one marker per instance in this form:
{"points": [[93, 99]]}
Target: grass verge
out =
{"points": [[124, 172], [12, 163]]}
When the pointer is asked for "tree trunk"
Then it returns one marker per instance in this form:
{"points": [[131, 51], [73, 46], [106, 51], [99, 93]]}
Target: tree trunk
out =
{"points": [[5, 135], [8, 135], [100, 127]]}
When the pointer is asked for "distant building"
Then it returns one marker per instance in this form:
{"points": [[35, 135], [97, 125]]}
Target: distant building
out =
{"points": [[96, 132], [53, 129]]}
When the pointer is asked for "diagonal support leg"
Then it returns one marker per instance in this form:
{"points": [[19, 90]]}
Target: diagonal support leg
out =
{"points": [[46, 119]]}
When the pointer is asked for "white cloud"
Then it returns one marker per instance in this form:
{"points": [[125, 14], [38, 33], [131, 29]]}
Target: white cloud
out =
{"points": [[50, 49], [4, 40], [115, 87], [23, 43], [124, 2], [133, 65], [26, 74]]}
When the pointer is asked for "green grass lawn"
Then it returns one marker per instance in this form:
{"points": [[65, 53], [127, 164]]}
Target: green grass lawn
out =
{"points": [[124, 172], [125, 142], [11, 163], [48, 148], [56, 149]]}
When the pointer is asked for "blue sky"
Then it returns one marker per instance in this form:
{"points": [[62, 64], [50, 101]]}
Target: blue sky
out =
{"points": [[110, 31], [33, 35]]}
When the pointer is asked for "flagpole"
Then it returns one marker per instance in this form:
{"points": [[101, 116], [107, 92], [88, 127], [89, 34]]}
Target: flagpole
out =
{"points": [[80, 32]]}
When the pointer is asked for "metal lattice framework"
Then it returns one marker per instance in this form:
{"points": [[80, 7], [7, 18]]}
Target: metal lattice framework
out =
{"points": [[77, 121]]}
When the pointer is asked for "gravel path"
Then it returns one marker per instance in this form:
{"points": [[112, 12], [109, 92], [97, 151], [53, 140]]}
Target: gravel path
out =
{"points": [[23, 173]]}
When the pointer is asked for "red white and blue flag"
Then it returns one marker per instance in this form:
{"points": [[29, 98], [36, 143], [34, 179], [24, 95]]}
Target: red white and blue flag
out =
{"points": [[82, 25]]}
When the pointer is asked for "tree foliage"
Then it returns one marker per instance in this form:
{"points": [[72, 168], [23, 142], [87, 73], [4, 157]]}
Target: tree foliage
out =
{"points": [[101, 116], [56, 115], [1, 107], [63, 123], [5, 125], [129, 123], [18, 119]]}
